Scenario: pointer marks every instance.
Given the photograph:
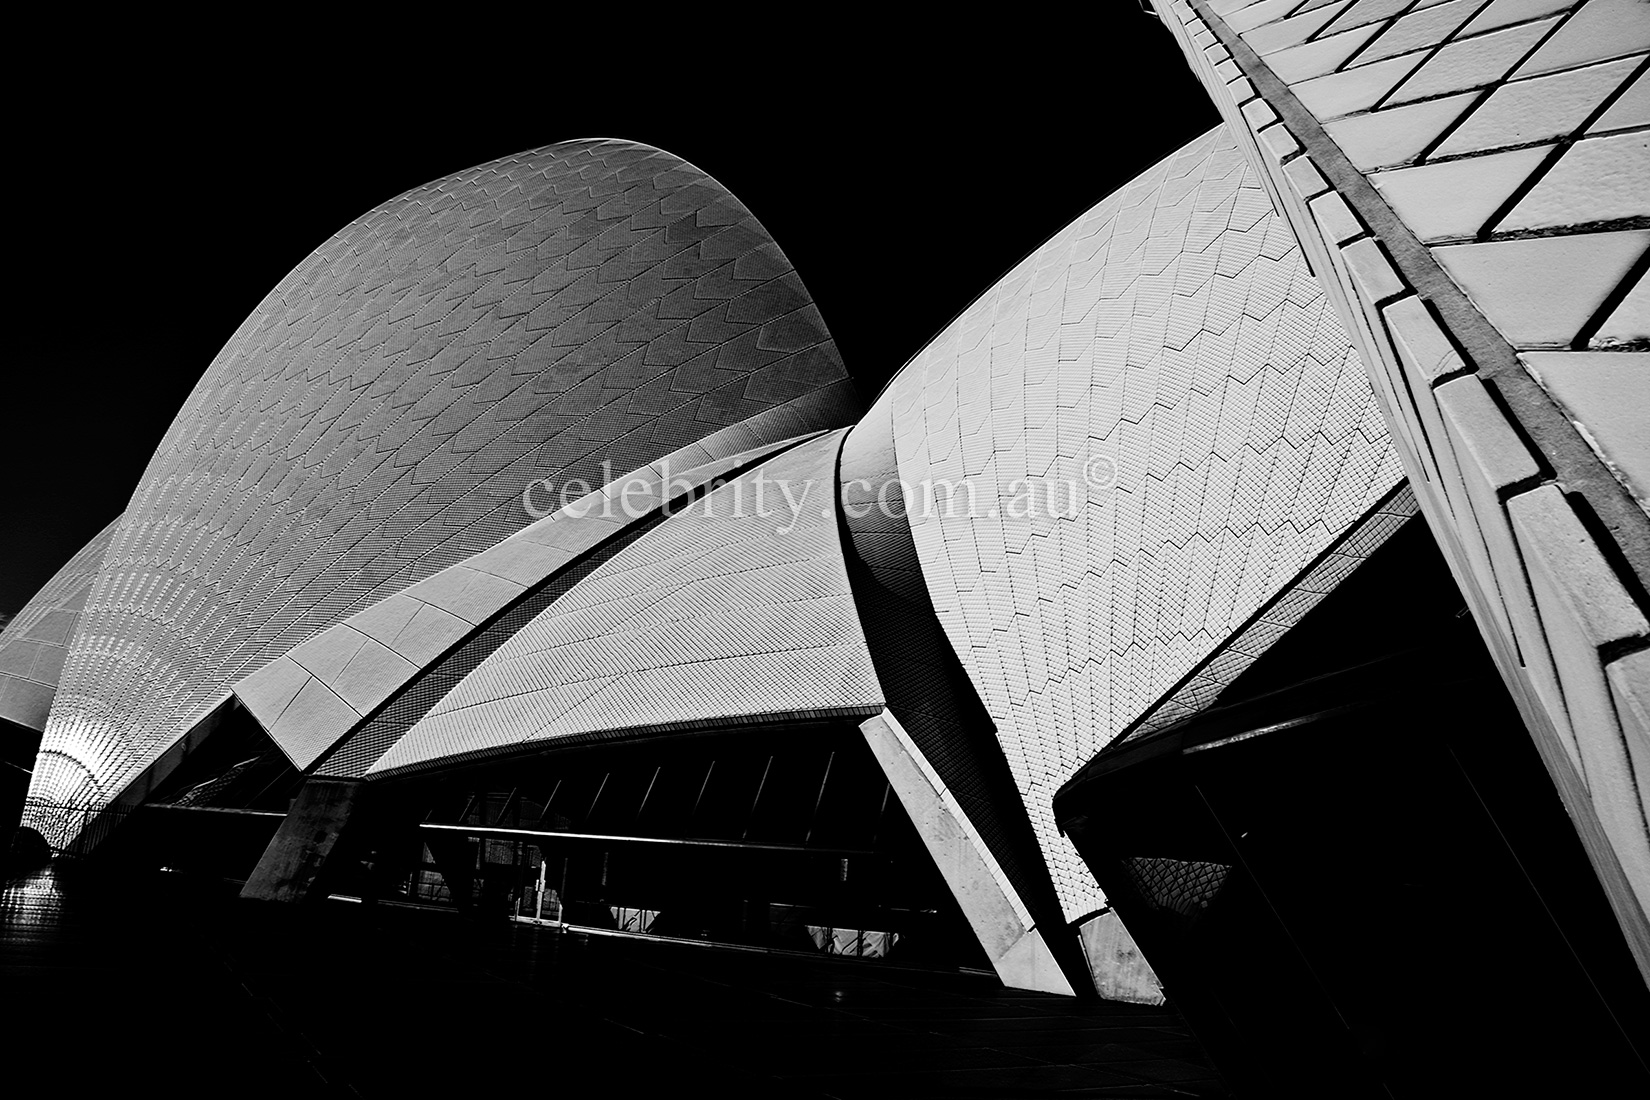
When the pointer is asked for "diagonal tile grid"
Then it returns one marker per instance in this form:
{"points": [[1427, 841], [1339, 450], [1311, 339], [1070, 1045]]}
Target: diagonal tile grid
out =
{"points": [[1175, 331], [1469, 179], [379, 415], [36, 640], [1200, 687], [733, 611]]}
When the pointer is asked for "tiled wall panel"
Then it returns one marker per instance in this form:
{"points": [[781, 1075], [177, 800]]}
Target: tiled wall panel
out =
{"points": [[1486, 244]]}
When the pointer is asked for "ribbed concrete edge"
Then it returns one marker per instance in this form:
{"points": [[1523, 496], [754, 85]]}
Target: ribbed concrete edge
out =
{"points": [[996, 914]]}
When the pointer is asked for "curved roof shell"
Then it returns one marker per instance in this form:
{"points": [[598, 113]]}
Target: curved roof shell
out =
{"points": [[1120, 451], [569, 313], [35, 642], [736, 610]]}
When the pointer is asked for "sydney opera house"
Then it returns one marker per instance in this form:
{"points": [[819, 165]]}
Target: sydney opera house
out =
{"points": [[1242, 601]]}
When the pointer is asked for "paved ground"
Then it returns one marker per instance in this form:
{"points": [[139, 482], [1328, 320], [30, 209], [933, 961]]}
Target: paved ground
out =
{"points": [[179, 989]]}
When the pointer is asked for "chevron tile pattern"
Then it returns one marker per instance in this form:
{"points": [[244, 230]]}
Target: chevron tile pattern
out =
{"points": [[1173, 343], [1281, 613], [569, 313], [1469, 181], [735, 610], [927, 690], [36, 640]]}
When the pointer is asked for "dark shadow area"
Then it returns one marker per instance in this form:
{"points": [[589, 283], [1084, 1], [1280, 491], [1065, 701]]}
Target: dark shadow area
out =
{"points": [[171, 982], [1353, 872]]}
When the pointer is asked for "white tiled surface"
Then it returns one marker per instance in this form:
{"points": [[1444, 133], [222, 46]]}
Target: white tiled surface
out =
{"points": [[721, 615], [1455, 199], [1391, 137], [1632, 109], [1599, 29], [1501, 13], [1629, 322], [1537, 109], [1583, 610], [1545, 241], [1598, 179], [1421, 29], [1291, 605], [1174, 331], [35, 642], [1512, 281], [379, 415], [1472, 62], [1608, 392], [404, 633]]}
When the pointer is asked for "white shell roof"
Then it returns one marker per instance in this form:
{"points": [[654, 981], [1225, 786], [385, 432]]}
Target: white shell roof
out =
{"points": [[1173, 342], [568, 313], [735, 610], [36, 640]]}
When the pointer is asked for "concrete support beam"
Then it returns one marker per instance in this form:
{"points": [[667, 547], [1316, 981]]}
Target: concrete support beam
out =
{"points": [[292, 864], [996, 914], [1119, 970]]}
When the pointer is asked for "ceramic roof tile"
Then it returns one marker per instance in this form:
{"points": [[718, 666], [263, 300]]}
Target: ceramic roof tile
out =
{"points": [[34, 644], [1536, 109], [1155, 561], [1595, 180], [1598, 30], [384, 409], [732, 610], [1540, 291]]}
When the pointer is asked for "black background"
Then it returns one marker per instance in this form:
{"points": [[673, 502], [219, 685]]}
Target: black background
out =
{"points": [[162, 193]]}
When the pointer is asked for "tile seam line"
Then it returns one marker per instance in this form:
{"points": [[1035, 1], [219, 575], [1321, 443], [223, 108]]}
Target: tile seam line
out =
{"points": [[1563, 143], [1578, 467]]}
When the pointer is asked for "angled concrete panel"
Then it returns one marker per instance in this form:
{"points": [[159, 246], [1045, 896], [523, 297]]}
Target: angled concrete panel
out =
{"points": [[1017, 946], [291, 866]]}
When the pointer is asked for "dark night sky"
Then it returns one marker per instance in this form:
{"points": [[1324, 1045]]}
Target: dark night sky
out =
{"points": [[902, 175]]}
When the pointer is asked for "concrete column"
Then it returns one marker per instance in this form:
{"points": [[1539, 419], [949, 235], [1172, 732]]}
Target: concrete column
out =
{"points": [[1120, 971], [292, 864], [995, 912]]}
